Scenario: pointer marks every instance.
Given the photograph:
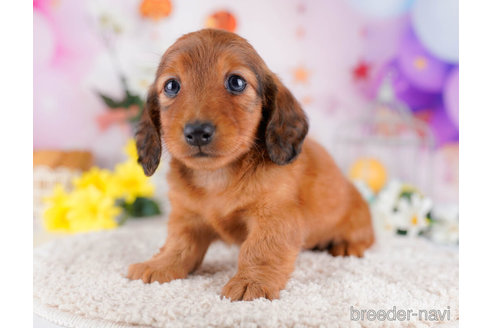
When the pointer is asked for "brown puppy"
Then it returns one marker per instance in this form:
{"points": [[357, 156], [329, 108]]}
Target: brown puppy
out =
{"points": [[237, 171]]}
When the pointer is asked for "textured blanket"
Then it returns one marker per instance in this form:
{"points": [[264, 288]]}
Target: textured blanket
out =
{"points": [[79, 281]]}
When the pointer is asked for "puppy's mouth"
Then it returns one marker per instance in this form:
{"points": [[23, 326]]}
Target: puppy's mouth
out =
{"points": [[202, 154]]}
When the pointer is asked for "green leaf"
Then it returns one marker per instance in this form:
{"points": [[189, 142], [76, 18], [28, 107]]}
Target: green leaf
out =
{"points": [[109, 101], [407, 195], [401, 232], [141, 207], [126, 102], [131, 100], [431, 217]]}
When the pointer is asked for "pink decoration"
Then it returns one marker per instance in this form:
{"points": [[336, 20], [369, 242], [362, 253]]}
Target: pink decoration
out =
{"points": [[451, 96], [444, 129], [44, 40], [63, 48], [119, 116]]}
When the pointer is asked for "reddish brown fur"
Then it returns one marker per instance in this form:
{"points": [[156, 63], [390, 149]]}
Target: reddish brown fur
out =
{"points": [[257, 188]]}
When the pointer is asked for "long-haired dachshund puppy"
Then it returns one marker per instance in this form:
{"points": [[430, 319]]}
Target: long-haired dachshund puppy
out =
{"points": [[241, 169]]}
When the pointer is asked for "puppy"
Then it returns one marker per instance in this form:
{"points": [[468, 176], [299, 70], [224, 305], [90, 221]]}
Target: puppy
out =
{"points": [[242, 169]]}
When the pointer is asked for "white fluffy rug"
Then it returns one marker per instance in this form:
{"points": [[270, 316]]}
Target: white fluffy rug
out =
{"points": [[79, 281]]}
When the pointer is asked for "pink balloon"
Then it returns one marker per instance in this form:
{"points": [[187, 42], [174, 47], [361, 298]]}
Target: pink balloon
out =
{"points": [[44, 40], [63, 111], [451, 96]]}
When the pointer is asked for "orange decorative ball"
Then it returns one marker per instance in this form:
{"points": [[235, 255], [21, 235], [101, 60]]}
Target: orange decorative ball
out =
{"points": [[371, 171], [155, 9], [223, 20]]}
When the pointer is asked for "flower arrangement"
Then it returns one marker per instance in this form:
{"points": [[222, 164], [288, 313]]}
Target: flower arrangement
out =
{"points": [[402, 209], [102, 199], [131, 38]]}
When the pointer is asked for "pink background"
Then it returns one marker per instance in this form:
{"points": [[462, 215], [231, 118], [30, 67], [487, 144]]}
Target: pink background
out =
{"points": [[314, 46]]}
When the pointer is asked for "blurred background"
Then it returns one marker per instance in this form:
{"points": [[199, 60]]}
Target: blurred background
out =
{"points": [[377, 78]]}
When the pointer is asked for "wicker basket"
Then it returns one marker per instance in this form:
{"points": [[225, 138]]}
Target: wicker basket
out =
{"points": [[45, 179], [52, 167]]}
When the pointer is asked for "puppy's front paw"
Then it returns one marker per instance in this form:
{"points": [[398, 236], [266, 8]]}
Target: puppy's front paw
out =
{"points": [[345, 248], [247, 290], [151, 271]]}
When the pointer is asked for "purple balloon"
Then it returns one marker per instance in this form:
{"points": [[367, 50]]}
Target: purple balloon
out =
{"points": [[444, 129], [451, 96], [423, 70], [404, 91]]}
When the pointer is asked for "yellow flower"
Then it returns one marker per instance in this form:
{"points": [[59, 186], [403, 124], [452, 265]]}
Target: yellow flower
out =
{"points": [[90, 209], [83, 210], [92, 204], [55, 216], [100, 178], [131, 150], [131, 181]]}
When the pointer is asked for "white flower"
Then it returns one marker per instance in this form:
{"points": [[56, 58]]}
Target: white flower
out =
{"points": [[446, 212], [388, 197], [138, 63], [445, 229], [383, 221], [364, 190], [403, 207], [445, 232], [133, 60], [111, 19], [104, 77], [117, 26], [411, 213], [383, 205]]}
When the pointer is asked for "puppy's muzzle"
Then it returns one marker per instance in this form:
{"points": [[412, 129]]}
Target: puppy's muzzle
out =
{"points": [[199, 133]]}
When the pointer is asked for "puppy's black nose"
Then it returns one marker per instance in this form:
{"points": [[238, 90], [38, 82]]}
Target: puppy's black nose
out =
{"points": [[198, 133]]}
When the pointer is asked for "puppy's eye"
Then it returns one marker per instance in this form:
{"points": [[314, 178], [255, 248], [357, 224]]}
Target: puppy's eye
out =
{"points": [[235, 84], [171, 88]]}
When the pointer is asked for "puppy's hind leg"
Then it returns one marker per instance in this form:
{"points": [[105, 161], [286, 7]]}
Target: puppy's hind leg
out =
{"points": [[355, 232]]}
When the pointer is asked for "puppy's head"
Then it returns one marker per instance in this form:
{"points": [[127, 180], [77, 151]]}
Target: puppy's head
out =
{"points": [[214, 100]]}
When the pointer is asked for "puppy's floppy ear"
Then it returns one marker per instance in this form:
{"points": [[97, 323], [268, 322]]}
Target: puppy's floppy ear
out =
{"points": [[148, 136], [286, 125]]}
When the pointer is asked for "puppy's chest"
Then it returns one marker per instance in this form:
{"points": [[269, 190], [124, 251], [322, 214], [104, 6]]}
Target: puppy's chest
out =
{"points": [[232, 228], [223, 205], [211, 181], [228, 218]]}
